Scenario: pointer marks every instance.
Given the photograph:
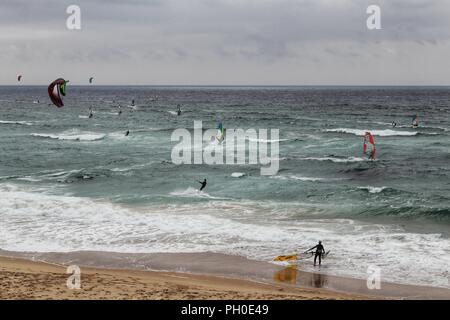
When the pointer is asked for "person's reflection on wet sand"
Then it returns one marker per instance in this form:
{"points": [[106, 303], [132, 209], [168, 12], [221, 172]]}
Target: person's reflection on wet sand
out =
{"points": [[318, 280]]}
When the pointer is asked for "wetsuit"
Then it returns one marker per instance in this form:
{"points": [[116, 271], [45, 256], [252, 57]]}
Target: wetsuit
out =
{"points": [[320, 250], [203, 185]]}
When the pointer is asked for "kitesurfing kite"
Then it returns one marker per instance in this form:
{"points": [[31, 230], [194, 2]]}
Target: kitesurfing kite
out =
{"points": [[19, 77], [56, 91], [368, 138], [220, 136], [90, 79], [415, 121]]}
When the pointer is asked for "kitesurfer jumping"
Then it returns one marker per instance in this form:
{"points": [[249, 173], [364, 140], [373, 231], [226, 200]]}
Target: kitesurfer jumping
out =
{"points": [[320, 250], [203, 184]]}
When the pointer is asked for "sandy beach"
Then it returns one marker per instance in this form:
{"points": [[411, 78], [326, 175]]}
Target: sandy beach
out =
{"points": [[24, 279]]}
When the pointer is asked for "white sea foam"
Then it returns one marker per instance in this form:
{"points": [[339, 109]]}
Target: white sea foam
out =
{"points": [[193, 193], [238, 174], [26, 123], [72, 135], [36, 221], [267, 140], [381, 133], [295, 177], [337, 160], [373, 189]]}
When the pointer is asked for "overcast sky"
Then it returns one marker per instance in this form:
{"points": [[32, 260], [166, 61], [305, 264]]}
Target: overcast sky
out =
{"points": [[230, 42]]}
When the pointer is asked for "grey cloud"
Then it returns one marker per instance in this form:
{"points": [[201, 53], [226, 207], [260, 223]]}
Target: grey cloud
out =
{"points": [[219, 34]]}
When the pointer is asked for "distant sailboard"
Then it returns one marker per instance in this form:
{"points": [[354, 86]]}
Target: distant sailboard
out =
{"points": [[368, 139], [415, 121], [220, 136]]}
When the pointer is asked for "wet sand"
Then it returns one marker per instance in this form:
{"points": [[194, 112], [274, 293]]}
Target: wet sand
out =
{"points": [[182, 276], [24, 279]]}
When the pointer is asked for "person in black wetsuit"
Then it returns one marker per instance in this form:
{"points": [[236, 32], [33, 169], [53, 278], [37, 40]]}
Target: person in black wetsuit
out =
{"points": [[127, 133], [179, 110], [203, 184], [320, 250]]}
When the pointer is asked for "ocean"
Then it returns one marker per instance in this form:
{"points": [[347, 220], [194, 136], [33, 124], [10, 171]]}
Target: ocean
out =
{"points": [[69, 182]]}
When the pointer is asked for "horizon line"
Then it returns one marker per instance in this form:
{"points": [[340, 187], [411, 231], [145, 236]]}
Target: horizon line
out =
{"points": [[237, 86]]}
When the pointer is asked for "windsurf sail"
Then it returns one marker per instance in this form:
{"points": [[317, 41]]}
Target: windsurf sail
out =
{"points": [[286, 258], [56, 91], [297, 256], [368, 139], [220, 136]]}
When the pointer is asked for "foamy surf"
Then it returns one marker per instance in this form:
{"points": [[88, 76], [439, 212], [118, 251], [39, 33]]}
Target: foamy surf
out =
{"points": [[35, 221], [296, 178], [26, 123], [72, 135], [337, 160], [267, 140], [238, 174], [373, 189], [194, 193], [381, 133]]}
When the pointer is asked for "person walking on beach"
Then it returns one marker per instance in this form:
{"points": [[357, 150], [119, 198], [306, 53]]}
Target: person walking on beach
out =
{"points": [[203, 184], [320, 250]]}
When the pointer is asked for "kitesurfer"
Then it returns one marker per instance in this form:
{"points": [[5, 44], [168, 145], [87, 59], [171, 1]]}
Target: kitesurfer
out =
{"points": [[179, 110], [127, 133], [120, 111], [394, 124], [91, 114], [320, 250], [203, 184]]}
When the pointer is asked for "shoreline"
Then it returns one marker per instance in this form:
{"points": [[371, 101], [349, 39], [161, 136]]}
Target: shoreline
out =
{"points": [[218, 272], [22, 279]]}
